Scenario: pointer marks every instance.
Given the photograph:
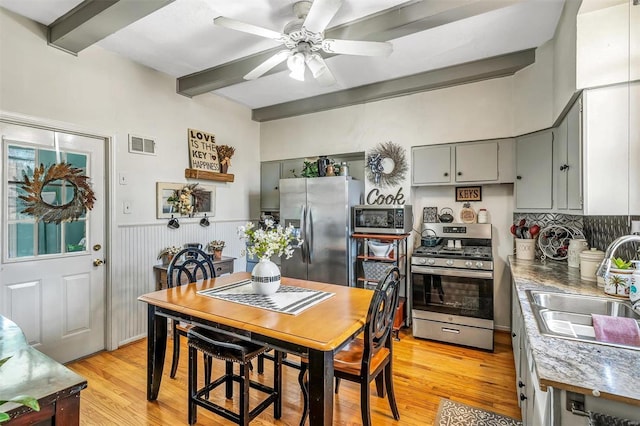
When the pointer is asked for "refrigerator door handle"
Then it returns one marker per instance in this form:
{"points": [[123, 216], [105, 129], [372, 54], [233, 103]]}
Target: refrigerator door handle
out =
{"points": [[303, 234], [309, 234]]}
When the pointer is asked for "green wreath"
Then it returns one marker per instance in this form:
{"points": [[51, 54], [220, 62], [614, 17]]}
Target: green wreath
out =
{"points": [[82, 200], [377, 172]]}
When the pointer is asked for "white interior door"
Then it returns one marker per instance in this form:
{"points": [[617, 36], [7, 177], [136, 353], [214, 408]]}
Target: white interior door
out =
{"points": [[52, 275]]}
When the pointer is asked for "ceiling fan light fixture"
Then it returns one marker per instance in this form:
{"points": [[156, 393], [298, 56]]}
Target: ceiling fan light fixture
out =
{"points": [[296, 65], [316, 65]]}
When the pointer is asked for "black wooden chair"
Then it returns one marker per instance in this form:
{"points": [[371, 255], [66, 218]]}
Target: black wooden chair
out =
{"points": [[365, 359], [231, 350], [189, 265]]}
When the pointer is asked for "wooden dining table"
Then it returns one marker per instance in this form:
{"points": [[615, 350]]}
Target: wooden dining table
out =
{"points": [[318, 332]]}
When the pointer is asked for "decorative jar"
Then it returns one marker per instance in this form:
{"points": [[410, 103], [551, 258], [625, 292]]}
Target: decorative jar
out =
{"points": [[265, 277], [618, 282], [589, 262], [576, 246]]}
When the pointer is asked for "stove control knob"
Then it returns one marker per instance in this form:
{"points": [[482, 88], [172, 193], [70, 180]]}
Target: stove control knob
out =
{"points": [[449, 262], [422, 260], [468, 264], [479, 265], [431, 261]]}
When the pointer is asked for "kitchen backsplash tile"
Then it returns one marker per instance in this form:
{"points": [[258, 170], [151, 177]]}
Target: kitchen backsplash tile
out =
{"points": [[546, 219], [599, 231], [602, 230]]}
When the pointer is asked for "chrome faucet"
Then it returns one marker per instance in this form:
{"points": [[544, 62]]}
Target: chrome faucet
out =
{"points": [[605, 265]]}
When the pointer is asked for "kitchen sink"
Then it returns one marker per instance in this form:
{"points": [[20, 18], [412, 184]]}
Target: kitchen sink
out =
{"points": [[568, 316]]}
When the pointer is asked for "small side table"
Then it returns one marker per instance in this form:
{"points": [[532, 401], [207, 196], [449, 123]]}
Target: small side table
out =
{"points": [[221, 266]]}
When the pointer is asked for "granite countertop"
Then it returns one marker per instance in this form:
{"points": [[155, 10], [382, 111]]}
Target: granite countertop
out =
{"points": [[30, 372], [586, 368]]}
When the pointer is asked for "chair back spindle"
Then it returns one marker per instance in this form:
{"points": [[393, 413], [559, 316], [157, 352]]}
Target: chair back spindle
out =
{"points": [[189, 265]]}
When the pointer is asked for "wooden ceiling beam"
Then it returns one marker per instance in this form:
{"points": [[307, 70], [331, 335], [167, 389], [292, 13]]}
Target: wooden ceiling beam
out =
{"points": [[93, 20]]}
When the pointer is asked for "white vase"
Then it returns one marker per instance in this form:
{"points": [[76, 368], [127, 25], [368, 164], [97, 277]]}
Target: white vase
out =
{"points": [[265, 277]]}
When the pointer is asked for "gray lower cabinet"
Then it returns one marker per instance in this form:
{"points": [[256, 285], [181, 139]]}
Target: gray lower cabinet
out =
{"points": [[535, 404], [534, 171]]}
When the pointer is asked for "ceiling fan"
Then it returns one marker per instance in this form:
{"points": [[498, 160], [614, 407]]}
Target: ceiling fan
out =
{"points": [[304, 38]]}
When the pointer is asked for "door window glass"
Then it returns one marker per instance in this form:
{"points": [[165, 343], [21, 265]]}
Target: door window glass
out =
{"points": [[26, 236]]}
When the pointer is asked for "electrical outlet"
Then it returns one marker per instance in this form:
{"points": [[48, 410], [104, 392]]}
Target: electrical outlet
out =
{"points": [[126, 207], [123, 179]]}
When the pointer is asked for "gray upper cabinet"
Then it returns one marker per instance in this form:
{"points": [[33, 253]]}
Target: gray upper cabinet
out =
{"points": [[567, 164], [431, 165], [269, 181], [291, 168], [465, 162], [477, 162], [534, 171]]}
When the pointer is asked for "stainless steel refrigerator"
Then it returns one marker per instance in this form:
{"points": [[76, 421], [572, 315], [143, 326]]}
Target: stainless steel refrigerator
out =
{"points": [[319, 209]]}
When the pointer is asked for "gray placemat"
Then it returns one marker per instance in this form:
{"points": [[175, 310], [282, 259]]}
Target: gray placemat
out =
{"points": [[287, 300]]}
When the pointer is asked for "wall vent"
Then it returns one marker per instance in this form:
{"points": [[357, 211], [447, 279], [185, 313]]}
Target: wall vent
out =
{"points": [[142, 145]]}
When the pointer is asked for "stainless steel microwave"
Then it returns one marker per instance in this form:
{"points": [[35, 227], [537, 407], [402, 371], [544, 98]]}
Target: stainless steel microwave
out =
{"points": [[376, 219]]}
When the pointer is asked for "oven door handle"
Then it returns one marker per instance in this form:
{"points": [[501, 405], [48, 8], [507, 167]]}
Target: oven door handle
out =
{"points": [[465, 273]]}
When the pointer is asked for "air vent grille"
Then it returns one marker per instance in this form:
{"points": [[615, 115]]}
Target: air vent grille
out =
{"points": [[142, 145]]}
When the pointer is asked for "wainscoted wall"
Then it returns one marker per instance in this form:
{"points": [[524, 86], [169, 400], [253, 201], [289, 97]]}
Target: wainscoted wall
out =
{"points": [[599, 231], [139, 246]]}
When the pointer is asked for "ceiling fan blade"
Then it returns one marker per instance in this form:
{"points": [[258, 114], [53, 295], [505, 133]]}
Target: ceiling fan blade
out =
{"points": [[276, 59], [325, 78], [320, 14], [249, 28], [353, 47]]}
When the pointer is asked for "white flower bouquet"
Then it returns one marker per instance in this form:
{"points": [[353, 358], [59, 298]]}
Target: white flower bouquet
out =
{"points": [[273, 240]]}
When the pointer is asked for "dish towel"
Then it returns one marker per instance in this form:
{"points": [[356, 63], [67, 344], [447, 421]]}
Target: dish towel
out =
{"points": [[599, 419], [616, 330]]}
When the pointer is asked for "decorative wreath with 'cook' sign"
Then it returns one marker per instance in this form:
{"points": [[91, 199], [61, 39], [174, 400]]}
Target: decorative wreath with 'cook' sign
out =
{"points": [[82, 200], [386, 164]]}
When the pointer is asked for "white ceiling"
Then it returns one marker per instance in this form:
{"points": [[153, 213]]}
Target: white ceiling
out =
{"points": [[181, 39]]}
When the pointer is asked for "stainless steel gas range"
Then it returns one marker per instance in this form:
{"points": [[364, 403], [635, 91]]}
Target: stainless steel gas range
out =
{"points": [[452, 285]]}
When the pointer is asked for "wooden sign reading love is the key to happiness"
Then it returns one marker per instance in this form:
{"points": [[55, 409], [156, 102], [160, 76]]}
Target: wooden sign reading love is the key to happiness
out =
{"points": [[203, 154]]}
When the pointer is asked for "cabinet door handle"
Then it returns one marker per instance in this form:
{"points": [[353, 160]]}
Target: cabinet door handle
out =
{"points": [[520, 384], [513, 334], [446, 174], [519, 177], [564, 167], [459, 173], [522, 397]]}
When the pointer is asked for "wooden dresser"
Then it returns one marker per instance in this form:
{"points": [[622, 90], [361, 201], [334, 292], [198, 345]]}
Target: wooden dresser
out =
{"points": [[30, 372], [222, 266]]}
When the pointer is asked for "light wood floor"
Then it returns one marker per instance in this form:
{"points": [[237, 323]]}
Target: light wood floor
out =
{"points": [[424, 372]]}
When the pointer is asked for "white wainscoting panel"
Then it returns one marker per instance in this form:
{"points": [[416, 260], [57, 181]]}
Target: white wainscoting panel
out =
{"points": [[137, 253]]}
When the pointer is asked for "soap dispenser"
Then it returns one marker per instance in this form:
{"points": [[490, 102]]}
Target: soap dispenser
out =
{"points": [[634, 291]]}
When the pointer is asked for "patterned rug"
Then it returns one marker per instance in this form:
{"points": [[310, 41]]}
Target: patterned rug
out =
{"points": [[451, 413], [287, 300]]}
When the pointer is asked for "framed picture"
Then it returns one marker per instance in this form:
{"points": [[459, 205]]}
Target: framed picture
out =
{"points": [[202, 197], [468, 193]]}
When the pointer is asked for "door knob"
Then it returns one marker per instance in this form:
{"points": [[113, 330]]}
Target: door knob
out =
{"points": [[98, 262]]}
